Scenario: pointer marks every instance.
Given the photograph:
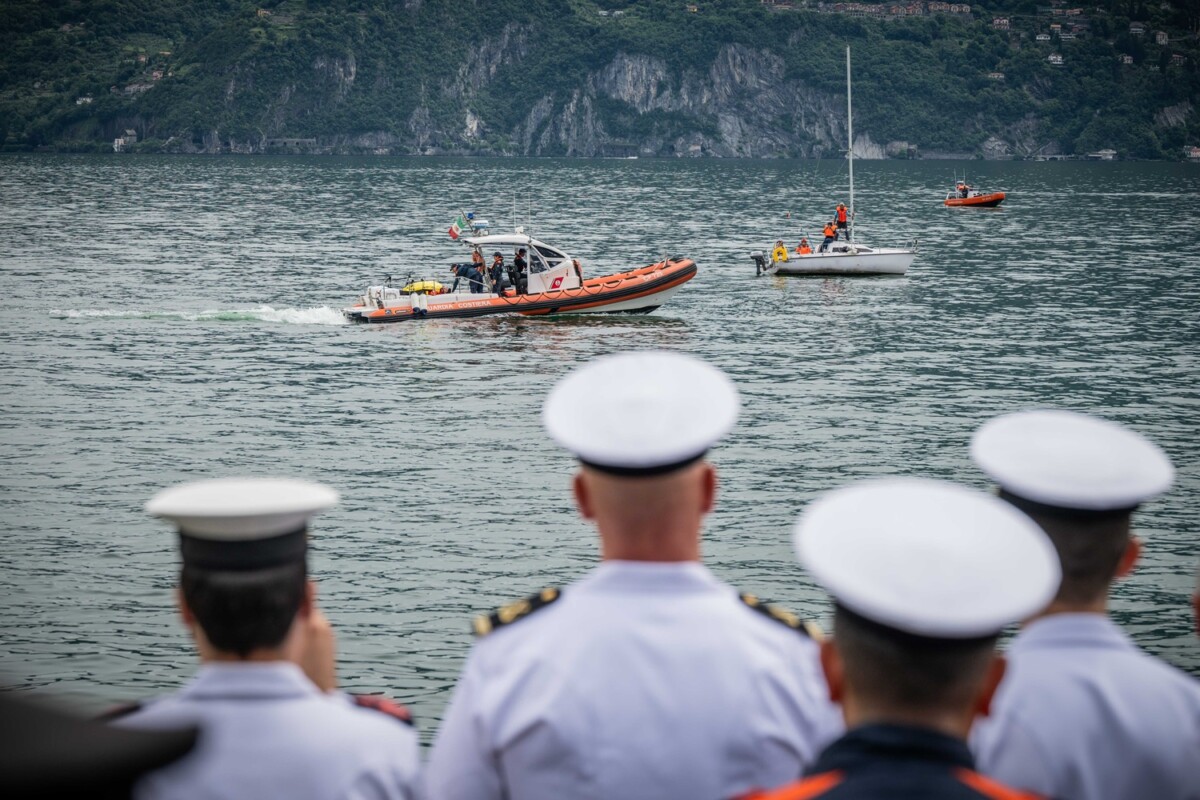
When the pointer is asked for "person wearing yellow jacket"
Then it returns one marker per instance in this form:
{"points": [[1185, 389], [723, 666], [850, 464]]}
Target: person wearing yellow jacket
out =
{"points": [[780, 253]]}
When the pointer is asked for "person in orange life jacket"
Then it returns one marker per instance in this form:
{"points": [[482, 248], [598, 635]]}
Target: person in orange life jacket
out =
{"points": [[830, 236], [842, 220], [924, 575], [803, 248]]}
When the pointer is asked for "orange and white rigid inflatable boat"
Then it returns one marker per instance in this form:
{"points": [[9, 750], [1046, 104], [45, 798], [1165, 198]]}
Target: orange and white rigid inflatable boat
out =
{"points": [[554, 286], [971, 197]]}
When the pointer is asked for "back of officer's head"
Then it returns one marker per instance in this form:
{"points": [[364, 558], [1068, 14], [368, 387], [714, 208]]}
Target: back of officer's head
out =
{"points": [[1080, 478], [1090, 550], [640, 424], [241, 612], [889, 669], [244, 546], [925, 574]]}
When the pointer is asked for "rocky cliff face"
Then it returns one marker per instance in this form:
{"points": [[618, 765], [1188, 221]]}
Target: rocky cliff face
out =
{"points": [[743, 105]]}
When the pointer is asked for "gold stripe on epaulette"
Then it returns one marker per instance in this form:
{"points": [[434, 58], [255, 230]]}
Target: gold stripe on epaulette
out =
{"points": [[782, 615], [505, 615]]}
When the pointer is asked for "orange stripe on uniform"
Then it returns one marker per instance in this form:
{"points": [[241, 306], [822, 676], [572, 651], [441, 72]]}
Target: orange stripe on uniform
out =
{"points": [[808, 788], [986, 786]]}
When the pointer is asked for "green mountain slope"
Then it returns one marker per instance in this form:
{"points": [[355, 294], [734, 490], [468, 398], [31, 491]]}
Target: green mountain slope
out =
{"points": [[597, 77]]}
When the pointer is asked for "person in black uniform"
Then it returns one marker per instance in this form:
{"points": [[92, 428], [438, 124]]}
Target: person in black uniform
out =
{"points": [[496, 272], [924, 575], [519, 272]]}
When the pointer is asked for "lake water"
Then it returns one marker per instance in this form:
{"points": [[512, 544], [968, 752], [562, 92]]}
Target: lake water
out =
{"points": [[173, 318]]}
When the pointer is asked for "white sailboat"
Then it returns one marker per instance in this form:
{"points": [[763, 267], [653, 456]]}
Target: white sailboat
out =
{"points": [[850, 257]]}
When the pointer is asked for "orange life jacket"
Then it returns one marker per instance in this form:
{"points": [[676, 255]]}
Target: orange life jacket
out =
{"points": [[803, 249], [841, 213], [830, 231]]}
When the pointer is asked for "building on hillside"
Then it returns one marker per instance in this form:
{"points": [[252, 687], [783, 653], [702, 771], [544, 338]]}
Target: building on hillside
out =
{"points": [[692, 8], [1103, 155], [1161, 38], [1178, 59], [960, 8], [156, 75], [1137, 29], [1055, 59], [1126, 58], [1067, 37], [83, 100], [996, 76], [1043, 37], [121, 143], [262, 12], [1001, 24], [1191, 153], [1055, 27]]}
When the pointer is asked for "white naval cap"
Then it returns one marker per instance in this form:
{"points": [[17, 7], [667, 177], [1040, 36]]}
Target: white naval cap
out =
{"points": [[1066, 460], [242, 523], [641, 413], [927, 557]]}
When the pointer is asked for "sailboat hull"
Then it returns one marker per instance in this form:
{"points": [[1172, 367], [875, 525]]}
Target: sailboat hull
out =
{"points": [[876, 261]]}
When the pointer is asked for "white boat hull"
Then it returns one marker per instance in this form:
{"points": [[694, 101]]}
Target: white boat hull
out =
{"points": [[875, 261]]}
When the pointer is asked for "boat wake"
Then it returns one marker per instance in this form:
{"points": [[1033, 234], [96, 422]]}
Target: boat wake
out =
{"points": [[320, 315]]}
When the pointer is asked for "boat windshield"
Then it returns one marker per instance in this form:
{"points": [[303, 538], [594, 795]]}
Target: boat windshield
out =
{"points": [[547, 258]]}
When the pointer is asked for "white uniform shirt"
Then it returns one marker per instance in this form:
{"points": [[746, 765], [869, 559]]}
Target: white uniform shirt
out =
{"points": [[1083, 714], [645, 680], [268, 732]]}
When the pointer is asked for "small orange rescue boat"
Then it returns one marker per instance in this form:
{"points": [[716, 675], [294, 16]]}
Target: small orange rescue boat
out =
{"points": [[963, 195]]}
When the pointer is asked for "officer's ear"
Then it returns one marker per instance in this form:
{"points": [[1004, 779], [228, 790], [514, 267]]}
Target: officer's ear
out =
{"points": [[991, 682], [710, 488], [583, 500], [309, 601], [834, 669], [1129, 557], [185, 612]]}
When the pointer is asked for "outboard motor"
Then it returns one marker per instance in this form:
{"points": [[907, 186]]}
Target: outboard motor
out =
{"points": [[760, 262]]}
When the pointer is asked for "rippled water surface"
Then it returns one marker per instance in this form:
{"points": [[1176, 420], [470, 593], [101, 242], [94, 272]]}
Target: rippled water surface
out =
{"points": [[174, 318]]}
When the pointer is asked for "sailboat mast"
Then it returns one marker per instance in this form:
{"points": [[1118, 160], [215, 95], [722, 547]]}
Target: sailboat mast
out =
{"points": [[850, 136]]}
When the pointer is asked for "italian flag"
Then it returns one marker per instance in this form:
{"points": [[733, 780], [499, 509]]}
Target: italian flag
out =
{"points": [[457, 227]]}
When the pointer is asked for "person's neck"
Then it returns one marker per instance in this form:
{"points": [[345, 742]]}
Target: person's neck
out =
{"points": [[214, 656], [953, 723], [1098, 606], [649, 550], [289, 650]]}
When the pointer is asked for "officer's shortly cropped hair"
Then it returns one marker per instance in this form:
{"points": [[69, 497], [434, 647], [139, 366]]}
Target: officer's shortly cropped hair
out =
{"points": [[244, 611], [898, 670], [1090, 549]]}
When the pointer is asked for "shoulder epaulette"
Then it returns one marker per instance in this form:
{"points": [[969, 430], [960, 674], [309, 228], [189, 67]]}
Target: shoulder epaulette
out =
{"points": [[784, 617], [123, 710], [377, 702], [506, 615]]}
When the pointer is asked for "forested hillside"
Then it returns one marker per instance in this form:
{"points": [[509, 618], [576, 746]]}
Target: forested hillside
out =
{"points": [[600, 77]]}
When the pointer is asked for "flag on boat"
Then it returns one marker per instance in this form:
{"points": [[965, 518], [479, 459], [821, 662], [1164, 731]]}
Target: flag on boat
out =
{"points": [[458, 226]]}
